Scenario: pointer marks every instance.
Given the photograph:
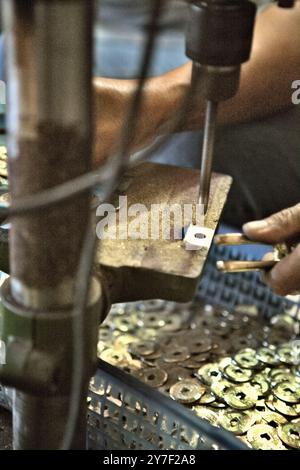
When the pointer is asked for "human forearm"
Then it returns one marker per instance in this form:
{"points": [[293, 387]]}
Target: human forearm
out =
{"points": [[264, 89], [265, 85]]}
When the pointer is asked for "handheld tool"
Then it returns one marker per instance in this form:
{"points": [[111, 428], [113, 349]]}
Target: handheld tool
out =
{"points": [[279, 251]]}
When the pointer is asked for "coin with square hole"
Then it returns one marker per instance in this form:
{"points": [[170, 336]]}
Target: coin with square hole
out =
{"points": [[264, 437], [209, 373], [241, 397], [187, 391], [288, 392], [237, 374], [289, 433], [237, 422]]}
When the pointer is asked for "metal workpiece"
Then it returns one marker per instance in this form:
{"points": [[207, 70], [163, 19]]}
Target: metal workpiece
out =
{"points": [[39, 351], [135, 269], [49, 60]]}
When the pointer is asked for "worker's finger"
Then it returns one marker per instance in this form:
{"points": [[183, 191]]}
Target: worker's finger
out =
{"points": [[284, 278], [277, 228]]}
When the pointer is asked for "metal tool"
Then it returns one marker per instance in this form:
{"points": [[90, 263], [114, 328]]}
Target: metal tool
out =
{"points": [[219, 39], [229, 239]]}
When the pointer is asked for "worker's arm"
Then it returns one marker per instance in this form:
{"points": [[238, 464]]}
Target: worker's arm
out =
{"points": [[284, 278], [265, 86]]}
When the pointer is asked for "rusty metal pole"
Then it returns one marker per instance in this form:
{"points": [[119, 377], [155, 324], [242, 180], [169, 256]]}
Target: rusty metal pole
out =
{"points": [[49, 59]]}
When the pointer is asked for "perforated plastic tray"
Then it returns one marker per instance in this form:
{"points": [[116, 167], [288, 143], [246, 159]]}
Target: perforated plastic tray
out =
{"points": [[242, 289], [127, 414]]}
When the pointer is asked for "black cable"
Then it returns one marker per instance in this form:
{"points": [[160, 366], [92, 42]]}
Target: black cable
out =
{"points": [[88, 250]]}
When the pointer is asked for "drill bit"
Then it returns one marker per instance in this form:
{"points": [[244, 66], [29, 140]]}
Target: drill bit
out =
{"points": [[207, 152]]}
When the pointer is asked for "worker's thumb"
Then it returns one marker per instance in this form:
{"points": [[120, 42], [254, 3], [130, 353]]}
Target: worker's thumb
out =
{"points": [[282, 226]]}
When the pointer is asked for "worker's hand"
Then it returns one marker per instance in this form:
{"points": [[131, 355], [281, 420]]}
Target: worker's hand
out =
{"points": [[284, 226]]}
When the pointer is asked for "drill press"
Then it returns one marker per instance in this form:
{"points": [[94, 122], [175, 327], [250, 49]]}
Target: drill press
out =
{"points": [[218, 40]]}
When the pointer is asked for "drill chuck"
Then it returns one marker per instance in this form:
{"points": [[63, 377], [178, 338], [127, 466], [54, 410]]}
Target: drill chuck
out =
{"points": [[219, 32]]}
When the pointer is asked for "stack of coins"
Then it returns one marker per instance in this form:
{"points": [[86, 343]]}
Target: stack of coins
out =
{"points": [[233, 369]]}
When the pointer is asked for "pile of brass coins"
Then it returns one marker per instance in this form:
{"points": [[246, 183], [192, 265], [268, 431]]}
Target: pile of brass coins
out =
{"points": [[233, 369]]}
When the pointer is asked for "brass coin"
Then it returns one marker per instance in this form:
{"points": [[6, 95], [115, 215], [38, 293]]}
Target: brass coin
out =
{"points": [[179, 354], [237, 374], [177, 373], [278, 370], [270, 403], [155, 355], [218, 405], [289, 433], [287, 355], [172, 323], [125, 340], [154, 376], [142, 348], [263, 437], [261, 406], [115, 357], [237, 422], [282, 377], [206, 414], [286, 409], [124, 324], [297, 370], [146, 333], [133, 367], [247, 359], [189, 364], [105, 334], [220, 387], [225, 361], [209, 373], [261, 384], [268, 356], [273, 419], [151, 320], [202, 357], [288, 392], [207, 398], [200, 345], [241, 397], [187, 391]]}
